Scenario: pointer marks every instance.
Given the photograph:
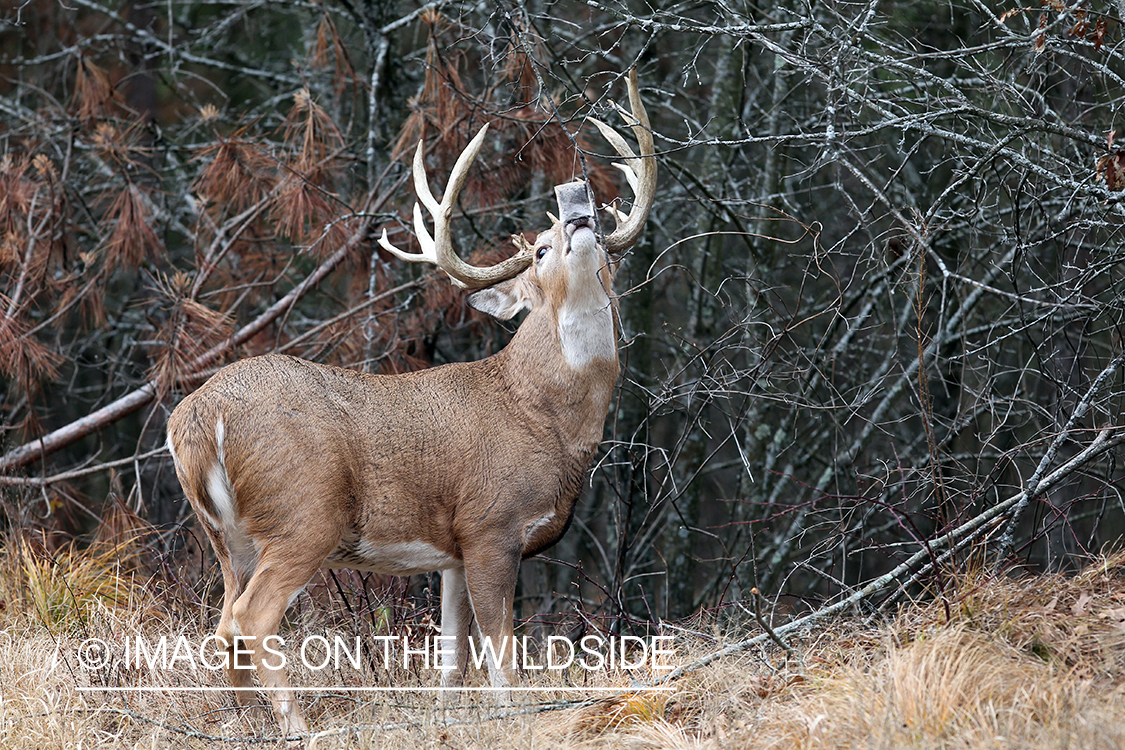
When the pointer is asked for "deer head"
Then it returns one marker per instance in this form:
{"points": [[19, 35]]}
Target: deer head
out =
{"points": [[575, 204], [465, 468]]}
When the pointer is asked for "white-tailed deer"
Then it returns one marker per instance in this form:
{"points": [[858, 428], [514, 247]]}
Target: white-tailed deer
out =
{"points": [[466, 468]]}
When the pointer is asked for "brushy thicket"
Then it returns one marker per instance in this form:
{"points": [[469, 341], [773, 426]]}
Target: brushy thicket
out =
{"points": [[998, 661]]}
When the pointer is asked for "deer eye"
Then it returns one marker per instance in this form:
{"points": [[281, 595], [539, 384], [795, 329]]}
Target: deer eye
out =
{"points": [[540, 252]]}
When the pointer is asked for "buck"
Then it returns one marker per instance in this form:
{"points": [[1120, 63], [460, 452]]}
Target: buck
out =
{"points": [[466, 468]]}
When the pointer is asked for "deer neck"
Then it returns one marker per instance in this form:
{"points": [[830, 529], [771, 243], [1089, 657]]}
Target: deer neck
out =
{"points": [[561, 367]]}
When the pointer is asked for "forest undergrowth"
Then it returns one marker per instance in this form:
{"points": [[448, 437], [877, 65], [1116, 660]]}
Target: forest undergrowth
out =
{"points": [[992, 660]]}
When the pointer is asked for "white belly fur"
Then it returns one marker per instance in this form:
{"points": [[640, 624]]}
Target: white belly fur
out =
{"points": [[397, 558]]}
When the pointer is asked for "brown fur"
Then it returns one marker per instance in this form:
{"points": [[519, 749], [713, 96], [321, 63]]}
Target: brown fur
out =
{"points": [[464, 457], [467, 468]]}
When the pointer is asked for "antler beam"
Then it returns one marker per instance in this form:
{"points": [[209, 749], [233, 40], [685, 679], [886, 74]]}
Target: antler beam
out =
{"points": [[438, 248], [639, 170]]}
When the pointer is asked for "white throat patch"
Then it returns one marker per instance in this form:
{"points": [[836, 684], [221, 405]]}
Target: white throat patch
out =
{"points": [[586, 335], [586, 318]]}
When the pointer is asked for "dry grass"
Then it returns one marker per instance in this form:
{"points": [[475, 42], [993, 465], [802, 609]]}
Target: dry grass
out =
{"points": [[999, 663]]}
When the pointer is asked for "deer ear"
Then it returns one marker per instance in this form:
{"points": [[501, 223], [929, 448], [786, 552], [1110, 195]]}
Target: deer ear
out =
{"points": [[503, 300]]}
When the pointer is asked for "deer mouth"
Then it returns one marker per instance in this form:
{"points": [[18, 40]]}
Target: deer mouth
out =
{"points": [[573, 225], [576, 209]]}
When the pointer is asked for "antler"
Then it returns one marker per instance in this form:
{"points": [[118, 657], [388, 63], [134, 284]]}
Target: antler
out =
{"points": [[640, 170], [438, 249]]}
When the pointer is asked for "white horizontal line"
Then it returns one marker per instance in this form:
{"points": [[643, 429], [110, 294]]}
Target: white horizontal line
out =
{"points": [[205, 689]]}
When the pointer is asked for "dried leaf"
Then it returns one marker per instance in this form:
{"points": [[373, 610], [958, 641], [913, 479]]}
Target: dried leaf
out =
{"points": [[22, 358], [94, 95], [313, 134], [10, 245], [190, 329], [1116, 616], [1040, 42], [1113, 167], [303, 211], [1098, 35], [1082, 606], [1080, 25], [133, 238], [239, 174]]}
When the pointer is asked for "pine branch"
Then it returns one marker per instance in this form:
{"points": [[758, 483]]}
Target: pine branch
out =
{"points": [[135, 400]]}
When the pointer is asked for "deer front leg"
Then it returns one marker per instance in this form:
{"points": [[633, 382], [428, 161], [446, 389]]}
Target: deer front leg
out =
{"points": [[456, 619], [490, 576]]}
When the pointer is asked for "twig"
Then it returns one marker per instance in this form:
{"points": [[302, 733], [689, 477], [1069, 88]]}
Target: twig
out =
{"points": [[757, 611], [1033, 490]]}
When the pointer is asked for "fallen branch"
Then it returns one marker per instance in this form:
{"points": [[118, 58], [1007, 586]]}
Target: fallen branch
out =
{"points": [[1032, 489], [139, 398], [969, 530]]}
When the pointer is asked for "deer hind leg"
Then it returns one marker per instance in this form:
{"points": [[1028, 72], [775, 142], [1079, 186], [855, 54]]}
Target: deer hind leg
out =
{"points": [[238, 669], [456, 619], [234, 581], [491, 581], [255, 617]]}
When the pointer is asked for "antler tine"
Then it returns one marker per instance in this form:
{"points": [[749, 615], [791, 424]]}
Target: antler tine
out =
{"points": [[438, 248], [640, 171]]}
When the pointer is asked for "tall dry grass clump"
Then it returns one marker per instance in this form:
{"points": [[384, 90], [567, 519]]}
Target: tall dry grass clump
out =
{"points": [[955, 688], [53, 598]]}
